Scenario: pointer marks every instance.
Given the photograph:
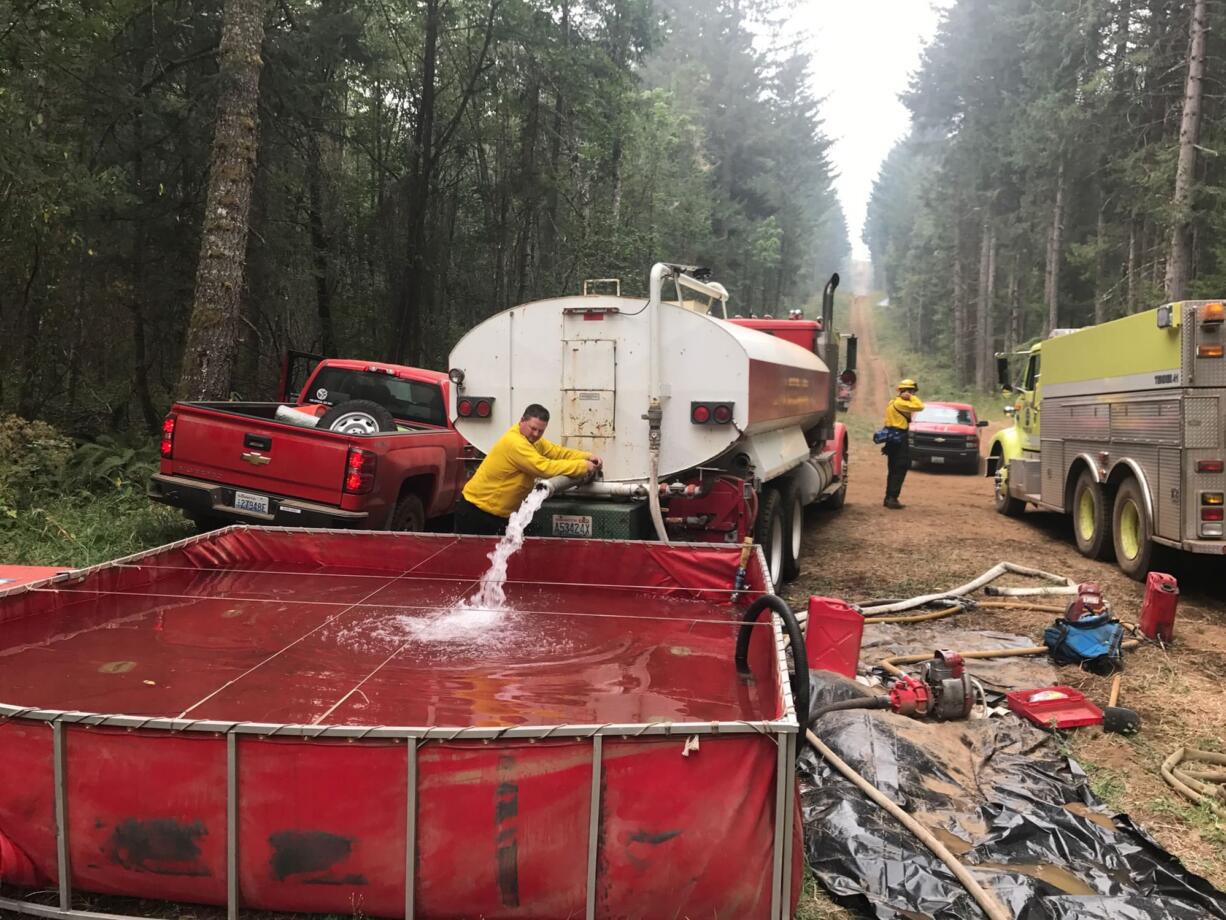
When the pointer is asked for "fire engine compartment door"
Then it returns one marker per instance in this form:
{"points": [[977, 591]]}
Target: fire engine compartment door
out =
{"points": [[589, 387]]}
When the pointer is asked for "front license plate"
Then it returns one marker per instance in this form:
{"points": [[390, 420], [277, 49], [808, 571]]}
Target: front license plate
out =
{"points": [[572, 525], [938, 459], [247, 501]]}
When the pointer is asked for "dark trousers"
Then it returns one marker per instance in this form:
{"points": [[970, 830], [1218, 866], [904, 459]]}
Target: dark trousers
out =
{"points": [[899, 457], [472, 520]]}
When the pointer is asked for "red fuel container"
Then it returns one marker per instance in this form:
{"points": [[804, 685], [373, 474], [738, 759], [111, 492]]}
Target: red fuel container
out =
{"points": [[1158, 608], [833, 640]]}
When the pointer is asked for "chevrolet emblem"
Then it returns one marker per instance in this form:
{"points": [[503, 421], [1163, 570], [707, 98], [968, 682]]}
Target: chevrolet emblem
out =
{"points": [[256, 459], [939, 440]]}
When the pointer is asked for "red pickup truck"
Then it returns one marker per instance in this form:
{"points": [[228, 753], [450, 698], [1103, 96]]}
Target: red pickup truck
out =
{"points": [[366, 445]]}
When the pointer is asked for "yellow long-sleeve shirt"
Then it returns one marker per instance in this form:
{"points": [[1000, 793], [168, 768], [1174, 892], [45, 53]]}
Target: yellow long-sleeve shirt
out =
{"points": [[506, 475], [899, 411]]}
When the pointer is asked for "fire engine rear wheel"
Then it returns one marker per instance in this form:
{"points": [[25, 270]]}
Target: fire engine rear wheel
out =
{"points": [[1132, 530], [409, 514], [1091, 518], [793, 530], [357, 416], [1005, 503], [768, 533]]}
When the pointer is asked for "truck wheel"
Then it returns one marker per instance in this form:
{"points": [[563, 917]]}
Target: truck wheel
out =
{"points": [[839, 498], [357, 416], [768, 533], [1091, 518], [793, 529], [409, 514], [1132, 531], [1005, 503]]}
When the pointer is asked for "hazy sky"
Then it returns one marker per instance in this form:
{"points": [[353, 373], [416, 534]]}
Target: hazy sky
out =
{"points": [[863, 54]]}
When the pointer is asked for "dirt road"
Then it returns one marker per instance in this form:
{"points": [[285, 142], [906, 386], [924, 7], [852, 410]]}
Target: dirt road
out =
{"points": [[949, 532]]}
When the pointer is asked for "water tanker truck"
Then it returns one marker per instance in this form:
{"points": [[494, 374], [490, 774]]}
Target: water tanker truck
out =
{"points": [[711, 429]]}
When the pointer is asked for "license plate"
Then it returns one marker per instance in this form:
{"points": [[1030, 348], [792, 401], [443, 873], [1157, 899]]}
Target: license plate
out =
{"points": [[246, 501], [938, 459], [572, 525]]}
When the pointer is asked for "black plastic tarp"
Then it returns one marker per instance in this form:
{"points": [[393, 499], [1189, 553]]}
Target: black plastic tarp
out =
{"points": [[999, 793]]}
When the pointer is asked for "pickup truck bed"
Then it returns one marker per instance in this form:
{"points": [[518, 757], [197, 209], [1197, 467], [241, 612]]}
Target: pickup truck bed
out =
{"points": [[233, 461]]}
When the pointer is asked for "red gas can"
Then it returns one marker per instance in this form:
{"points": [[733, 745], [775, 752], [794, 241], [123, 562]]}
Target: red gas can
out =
{"points": [[1158, 608], [833, 640]]}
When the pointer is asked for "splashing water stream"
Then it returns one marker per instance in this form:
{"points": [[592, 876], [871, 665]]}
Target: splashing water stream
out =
{"points": [[491, 595]]}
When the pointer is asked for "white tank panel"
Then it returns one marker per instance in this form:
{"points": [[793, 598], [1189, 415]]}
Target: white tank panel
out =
{"points": [[589, 366]]}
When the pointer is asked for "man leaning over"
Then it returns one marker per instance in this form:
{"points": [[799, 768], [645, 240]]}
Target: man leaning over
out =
{"points": [[508, 472]]}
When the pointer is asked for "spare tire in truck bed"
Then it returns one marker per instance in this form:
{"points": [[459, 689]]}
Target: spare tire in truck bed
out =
{"points": [[357, 416]]}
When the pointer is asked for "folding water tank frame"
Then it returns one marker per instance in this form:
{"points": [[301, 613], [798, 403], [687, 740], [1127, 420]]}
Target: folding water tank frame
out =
{"points": [[303, 721]]}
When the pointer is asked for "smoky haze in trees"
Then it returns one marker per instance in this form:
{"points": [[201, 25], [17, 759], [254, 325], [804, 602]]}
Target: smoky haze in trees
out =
{"points": [[417, 167], [1062, 170]]}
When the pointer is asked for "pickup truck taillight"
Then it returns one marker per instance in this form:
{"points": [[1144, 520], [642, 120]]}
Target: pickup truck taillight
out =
{"points": [[168, 437], [360, 471]]}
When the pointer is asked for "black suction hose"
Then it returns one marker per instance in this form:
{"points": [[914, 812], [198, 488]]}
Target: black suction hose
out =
{"points": [[858, 702], [800, 660]]}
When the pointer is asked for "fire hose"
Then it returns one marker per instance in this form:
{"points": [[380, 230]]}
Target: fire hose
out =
{"points": [[1059, 584], [1200, 786], [984, 898]]}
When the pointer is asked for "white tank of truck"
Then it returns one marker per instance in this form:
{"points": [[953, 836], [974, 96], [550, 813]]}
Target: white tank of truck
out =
{"points": [[720, 431], [590, 360]]}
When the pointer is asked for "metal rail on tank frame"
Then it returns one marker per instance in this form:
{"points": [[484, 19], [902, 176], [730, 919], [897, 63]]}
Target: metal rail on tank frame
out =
{"points": [[784, 730]]}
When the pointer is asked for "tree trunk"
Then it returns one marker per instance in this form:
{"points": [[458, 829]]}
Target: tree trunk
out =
{"points": [[31, 319], [414, 294], [549, 226], [212, 337], [1131, 305], [320, 242], [1013, 334], [140, 236], [1179, 264], [961, 352], [986, 352], [1100, 270], [1051, 286], [983, 318]]}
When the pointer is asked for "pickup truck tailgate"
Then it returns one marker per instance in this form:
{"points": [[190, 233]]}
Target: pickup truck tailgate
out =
{"points": [[265, 456]]}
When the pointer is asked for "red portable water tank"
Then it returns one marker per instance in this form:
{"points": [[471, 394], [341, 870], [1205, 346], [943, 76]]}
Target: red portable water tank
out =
{"points": [[1158, 608], [833, 640]]}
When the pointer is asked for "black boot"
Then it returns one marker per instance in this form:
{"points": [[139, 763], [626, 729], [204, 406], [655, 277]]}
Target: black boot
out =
{"points": [[893, 504]]}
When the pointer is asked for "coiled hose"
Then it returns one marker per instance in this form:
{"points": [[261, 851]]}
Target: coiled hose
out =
{"points": [[800, 659]]}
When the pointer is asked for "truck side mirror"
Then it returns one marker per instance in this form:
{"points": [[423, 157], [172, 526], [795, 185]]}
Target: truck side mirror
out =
{"points": [[982, 423], [1010, 411], [850, 363]]}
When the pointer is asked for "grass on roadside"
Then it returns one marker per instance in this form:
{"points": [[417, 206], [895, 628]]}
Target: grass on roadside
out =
{"points": [[76, 504]]}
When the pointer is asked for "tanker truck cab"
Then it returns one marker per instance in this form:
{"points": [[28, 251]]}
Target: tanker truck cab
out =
{"points": [[1133, 438], [710, 430]]}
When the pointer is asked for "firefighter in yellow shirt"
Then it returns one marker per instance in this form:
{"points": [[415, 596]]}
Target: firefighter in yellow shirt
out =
{"points": [[897, 447], [509, 470]]}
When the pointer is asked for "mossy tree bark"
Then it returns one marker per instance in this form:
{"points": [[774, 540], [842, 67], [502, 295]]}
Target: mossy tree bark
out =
{"points": [[212, 337]]}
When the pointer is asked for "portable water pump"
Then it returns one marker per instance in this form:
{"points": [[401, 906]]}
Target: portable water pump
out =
{"points": [[942, 691]]}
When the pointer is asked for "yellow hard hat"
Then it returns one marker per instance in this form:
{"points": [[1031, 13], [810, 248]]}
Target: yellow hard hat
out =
{"points": [[908, 384]]}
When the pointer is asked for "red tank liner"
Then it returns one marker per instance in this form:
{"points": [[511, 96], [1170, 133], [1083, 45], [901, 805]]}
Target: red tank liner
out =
{"points": [[618, 659]]}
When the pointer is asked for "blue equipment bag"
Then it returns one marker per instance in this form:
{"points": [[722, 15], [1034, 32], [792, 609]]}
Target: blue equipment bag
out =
{"points": [[888, 436], [1092, 642]]}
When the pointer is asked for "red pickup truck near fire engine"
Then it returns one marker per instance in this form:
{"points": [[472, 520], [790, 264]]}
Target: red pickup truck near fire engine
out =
{"points": [[366, 445]]}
